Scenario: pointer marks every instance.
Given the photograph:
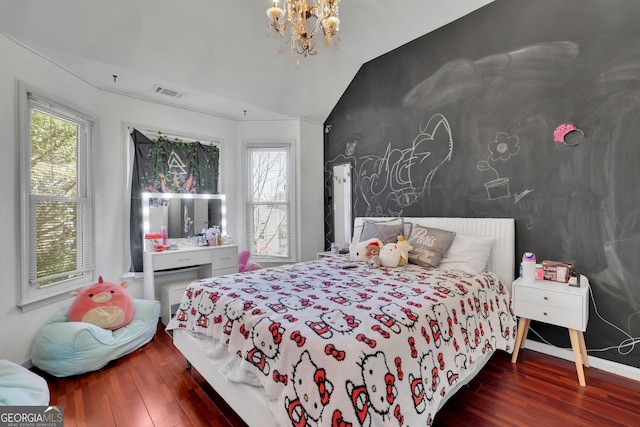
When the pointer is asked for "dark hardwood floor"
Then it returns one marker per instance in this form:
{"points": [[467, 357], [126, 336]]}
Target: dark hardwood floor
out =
{"points": [[151, 387]]}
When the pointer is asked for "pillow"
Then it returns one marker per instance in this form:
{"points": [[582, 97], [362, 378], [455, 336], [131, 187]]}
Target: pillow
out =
{"points": [[107, 305], [385, 232], [468, 253], [357, 231], [429, 245], [407, 229]]}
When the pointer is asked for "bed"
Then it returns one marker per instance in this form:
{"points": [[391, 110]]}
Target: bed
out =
{"points": [[316, 343]]}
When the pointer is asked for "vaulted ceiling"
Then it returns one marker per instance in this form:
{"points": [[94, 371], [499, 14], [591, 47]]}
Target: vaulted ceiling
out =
{"points": [[216, 52]]}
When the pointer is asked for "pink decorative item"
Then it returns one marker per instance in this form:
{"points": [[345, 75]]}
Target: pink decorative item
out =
{"points": [[244, 264], [107, 305], [562, 130]]}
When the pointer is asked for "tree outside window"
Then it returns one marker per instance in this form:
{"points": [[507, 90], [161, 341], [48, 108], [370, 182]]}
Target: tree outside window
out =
{"points": [[269, 202], [57, 210]]}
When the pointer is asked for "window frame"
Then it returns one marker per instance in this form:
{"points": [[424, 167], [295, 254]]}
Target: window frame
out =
{"points": [[30, 295], [289, 148]]}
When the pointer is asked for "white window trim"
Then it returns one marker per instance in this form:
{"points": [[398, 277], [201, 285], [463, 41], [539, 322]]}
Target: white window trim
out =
{"points": [[289, 146], [31, 297]]}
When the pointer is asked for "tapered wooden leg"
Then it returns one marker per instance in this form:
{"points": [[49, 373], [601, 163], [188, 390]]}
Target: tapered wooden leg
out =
{"points": [[583, 349], [523, 328], [526, 332], [575, 345]]}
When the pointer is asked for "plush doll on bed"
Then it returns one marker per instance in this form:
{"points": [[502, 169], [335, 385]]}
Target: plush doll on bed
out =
{"points": [[104, 304], [390, 255], [405, 248], [364, 250]]}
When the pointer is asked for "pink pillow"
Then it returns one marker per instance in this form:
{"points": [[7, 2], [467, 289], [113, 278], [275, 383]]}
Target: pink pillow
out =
{"points": [[104, 304]]}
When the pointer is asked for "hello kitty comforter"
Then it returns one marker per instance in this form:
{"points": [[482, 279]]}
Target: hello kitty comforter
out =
{"points": [[353, 347]]}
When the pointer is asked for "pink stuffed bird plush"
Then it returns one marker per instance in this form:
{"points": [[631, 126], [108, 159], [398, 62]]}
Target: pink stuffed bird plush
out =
{"points": [[104, 304]]}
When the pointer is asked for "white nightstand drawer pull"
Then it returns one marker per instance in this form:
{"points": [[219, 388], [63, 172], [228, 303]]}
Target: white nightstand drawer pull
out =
{"points": [[546, 298], [545, 313], [184, 259]]}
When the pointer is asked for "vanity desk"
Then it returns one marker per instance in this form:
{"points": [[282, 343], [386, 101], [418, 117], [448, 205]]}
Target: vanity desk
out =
{"points": [[210, 260]]}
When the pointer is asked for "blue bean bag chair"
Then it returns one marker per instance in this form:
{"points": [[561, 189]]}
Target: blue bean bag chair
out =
{"points": [[21, 387], [64, 348]]}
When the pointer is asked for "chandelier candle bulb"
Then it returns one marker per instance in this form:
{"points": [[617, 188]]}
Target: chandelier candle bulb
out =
{"points": [[275, 12]]}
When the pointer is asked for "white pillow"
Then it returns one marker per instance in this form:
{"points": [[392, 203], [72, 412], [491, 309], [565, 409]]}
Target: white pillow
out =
{"points": [[467, 253]]}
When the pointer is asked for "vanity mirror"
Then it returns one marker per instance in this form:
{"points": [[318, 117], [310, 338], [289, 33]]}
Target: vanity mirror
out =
{"points": [[342, 204], [184, 214]]}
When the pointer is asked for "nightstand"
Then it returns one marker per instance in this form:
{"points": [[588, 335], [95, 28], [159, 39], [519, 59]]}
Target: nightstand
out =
{"points": [[557, 304], [327, 254]]}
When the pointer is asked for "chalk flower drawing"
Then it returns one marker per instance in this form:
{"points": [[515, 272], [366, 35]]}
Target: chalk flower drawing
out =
{"points": [[502, 149]]}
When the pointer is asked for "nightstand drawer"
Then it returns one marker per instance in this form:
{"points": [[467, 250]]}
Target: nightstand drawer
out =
{"points": [[547, 298], [225, 258], [550, 314]]}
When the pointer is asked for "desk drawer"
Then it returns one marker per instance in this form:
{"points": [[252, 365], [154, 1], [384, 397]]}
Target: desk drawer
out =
{"points": [[166, 260], [225, 258], [552, 315], [543, 297]]}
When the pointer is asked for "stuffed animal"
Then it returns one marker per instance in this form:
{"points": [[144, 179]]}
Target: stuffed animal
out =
{"points": [[405, 248], [374, 262], [373, 248], [361, 251], [244, 264], [390, 255], [104, 304]]}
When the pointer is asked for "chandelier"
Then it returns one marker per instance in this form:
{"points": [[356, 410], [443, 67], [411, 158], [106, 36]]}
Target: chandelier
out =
{"points": [[305, 18]]}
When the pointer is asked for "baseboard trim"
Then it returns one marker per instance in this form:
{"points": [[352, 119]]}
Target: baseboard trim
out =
{"points": [[595, 362]]}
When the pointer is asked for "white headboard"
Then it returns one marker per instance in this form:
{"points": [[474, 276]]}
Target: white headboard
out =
{"points": [[502, 259]]}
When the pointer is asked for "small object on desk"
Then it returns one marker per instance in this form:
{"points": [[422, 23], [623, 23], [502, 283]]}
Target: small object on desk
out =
{"points": [[529, 267], [557, 271], [574, 279], [350, 266], [334, 248]]}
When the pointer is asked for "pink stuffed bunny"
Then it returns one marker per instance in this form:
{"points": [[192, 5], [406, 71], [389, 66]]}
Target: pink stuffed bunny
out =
{"points": [[244, 264]]}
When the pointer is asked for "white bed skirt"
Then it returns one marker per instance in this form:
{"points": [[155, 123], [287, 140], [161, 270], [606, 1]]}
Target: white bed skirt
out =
{"points": [[246, 400]]}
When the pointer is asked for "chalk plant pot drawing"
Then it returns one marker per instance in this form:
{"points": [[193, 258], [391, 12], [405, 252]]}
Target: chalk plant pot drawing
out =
{"points": [[500, 149], [497, 188]]}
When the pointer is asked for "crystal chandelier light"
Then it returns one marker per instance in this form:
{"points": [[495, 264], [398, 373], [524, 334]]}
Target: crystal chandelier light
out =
{"points": [[305, 18]]}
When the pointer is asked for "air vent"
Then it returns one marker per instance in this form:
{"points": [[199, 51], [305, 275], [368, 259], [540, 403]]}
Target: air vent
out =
{"points": [[168, 92]]}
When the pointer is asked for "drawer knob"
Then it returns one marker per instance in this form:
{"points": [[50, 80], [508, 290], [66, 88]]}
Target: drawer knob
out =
{"points": [[546, 298], [184, 259], [545, 313]]}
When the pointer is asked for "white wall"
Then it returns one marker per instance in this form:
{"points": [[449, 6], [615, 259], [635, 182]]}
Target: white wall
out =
{"points": [[311, 190], [309, 181], [114, 113]]}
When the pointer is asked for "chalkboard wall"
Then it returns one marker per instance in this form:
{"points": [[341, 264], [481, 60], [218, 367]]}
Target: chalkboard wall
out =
{"points": [[477, 119]]}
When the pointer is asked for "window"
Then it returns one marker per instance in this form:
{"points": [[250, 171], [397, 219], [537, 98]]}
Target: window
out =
{"points": [[269, 202], [57, 207]]}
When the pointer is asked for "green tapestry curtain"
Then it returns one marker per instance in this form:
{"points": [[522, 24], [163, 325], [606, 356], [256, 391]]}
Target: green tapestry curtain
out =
{"points": [[164, 165]]}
